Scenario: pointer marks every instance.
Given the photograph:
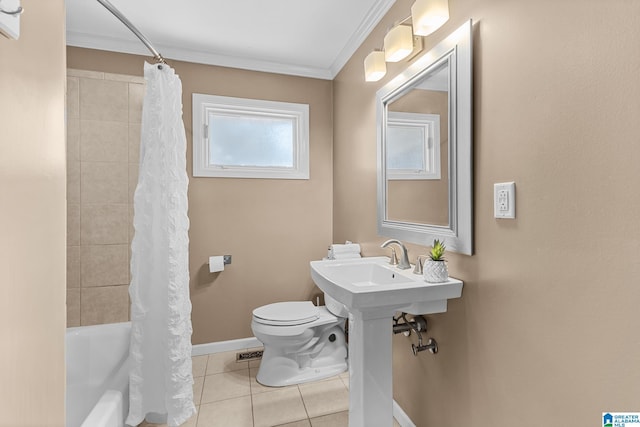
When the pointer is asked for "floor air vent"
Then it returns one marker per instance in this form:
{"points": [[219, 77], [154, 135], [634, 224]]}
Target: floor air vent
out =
{"points": [[248, 355]]}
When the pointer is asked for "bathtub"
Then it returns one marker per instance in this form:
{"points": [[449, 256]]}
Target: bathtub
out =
{"points": [[97, 359]]}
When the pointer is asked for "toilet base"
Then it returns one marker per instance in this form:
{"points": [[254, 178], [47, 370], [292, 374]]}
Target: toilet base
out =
{"points": [[325, 357], [299, 376]]}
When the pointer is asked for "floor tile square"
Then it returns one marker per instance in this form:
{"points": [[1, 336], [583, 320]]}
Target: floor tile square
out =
{"points": [[301, 423], [226, 413], [340, 419], [224, 362], [199, 364], [256, 387], [278, 407], [226, 385], [325, 397]]}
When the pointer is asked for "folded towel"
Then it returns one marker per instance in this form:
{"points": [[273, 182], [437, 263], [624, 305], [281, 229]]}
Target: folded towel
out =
{"points": [[347, 248], [346, 256], [351, 249]]}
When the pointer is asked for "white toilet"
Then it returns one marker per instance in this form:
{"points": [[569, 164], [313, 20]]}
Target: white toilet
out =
{"points": [[302, 342]]}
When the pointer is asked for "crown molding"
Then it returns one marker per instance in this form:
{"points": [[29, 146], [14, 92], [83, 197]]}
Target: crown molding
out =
{"points": [[369, 22], [133, 46]]}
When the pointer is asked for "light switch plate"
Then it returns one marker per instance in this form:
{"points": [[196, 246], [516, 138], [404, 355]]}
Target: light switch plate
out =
{"points": [[10, 24], [504, 200]]}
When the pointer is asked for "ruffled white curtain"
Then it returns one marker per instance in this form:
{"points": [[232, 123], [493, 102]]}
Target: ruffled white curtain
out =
{"points": [[161, 378]]}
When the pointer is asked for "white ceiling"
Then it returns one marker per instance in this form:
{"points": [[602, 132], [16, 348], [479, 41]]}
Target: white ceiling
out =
{"points": [[311, 38]]}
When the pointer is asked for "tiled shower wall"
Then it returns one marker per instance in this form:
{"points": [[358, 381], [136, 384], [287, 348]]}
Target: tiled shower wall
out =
{"points": [[103, 139]]}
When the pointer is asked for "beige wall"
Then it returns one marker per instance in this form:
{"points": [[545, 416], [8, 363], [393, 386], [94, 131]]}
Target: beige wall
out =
{"points": [[272, 228], [547, 327], [32, 219], [103, 145]]}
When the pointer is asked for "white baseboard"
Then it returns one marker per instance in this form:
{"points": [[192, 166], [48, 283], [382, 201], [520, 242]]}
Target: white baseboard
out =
{"points": [[220, 346], [401, 417], [217, 347]]}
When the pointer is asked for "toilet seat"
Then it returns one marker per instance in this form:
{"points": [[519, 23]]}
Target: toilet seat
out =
{"points": [[288, 313]]}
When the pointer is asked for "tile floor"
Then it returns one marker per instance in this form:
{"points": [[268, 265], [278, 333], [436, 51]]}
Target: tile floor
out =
{"points": [[227, 395]]}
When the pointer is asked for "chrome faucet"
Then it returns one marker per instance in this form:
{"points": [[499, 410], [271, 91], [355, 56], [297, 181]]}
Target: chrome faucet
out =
{"points": [[404, 257]]}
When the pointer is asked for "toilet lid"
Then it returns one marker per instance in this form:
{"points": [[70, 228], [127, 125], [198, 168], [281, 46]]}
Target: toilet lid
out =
{"points": [[286, 313]]}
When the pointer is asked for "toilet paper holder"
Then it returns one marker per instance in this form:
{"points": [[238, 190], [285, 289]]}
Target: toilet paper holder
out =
{"points": [[226, 259], [215, 265]]}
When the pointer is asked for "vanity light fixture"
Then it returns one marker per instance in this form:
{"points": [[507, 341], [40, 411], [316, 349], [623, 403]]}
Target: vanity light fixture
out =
{"points": [[374, 66], [429, 15], [398, 43]]}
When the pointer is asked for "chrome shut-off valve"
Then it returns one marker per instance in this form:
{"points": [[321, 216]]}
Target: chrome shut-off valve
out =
{"points": [[417, 325], [431, 345]]}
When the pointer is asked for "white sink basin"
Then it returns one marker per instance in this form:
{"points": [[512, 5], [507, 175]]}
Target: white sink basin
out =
{"points": [[367, 284]]}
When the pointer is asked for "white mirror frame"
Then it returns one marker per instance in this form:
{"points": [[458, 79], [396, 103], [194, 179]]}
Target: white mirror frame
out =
{"points": [[458, 235]]}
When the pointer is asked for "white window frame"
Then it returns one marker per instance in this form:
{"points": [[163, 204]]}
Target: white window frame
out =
{"points": [[430, 124], [204, 105]]}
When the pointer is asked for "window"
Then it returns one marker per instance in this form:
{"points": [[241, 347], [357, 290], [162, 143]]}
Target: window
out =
{"points": [[249, 138], [413, 146]]}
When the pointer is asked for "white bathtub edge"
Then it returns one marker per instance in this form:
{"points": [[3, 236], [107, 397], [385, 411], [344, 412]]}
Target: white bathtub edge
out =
{"points": [[220, 346], [107, 412]]}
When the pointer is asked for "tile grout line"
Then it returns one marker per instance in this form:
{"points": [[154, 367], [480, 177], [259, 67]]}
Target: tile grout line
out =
{"points": [[253, 415], [201, 391], [303, 403], [206, 365]]}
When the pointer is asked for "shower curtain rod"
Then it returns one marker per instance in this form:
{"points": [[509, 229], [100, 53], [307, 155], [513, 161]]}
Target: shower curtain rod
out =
{"points": [[111, 8]]}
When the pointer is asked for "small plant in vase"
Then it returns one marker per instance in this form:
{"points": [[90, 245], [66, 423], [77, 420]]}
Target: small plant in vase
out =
{"points": [[435, 266]]}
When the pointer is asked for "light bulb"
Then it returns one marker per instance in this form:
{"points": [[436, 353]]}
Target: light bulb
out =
{"points": [[429, 15], [374, 66], [398, 43]]}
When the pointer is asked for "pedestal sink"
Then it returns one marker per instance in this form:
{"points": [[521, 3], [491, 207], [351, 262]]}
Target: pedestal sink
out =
{"points": [[372, 291]]}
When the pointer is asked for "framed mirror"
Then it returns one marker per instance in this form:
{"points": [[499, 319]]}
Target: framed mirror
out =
{"points": [[424, 119]]}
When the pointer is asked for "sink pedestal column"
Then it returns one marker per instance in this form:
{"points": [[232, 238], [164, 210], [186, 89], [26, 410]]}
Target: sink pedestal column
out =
{"points": [[370, 369]]}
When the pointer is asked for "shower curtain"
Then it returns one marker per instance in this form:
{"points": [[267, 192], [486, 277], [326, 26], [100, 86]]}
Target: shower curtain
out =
{"points": [[160, 377]]}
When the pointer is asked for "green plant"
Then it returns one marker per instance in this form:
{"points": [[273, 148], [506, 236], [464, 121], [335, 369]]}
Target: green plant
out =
{"points": [[437, 250]]}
